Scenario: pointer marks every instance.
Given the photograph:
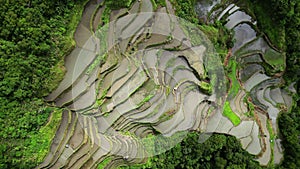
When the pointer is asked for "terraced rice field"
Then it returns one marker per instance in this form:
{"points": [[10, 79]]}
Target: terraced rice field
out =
{"points": [[135, 80], [255, 57]]}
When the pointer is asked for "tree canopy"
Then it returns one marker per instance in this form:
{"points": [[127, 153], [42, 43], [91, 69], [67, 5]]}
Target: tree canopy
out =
{"points": [[219, 151]]}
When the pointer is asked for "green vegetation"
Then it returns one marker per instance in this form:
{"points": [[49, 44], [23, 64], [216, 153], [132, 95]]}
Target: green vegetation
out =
{"points": [[98, 61], [105, 17], [289, 125], [235, 85], [276, 60], [185, 9], [271, 26], [250, 105], [220, 36], [272, 142], [206, 87], [34, 38], [24, 145], [230, 114], [104, 163], [281, 24], [219, 151], [158, 3], [41, 141], [146, 99], [113, 4], [211, 32], [161, 3]]}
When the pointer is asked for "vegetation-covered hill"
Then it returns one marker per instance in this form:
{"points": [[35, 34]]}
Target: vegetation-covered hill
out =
{"points": [[35, 36]]}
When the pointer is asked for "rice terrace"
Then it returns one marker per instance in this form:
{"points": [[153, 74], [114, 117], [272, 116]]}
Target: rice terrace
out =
{"points": [[151, 84]]}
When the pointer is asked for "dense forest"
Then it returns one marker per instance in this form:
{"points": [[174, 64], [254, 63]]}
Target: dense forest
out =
{"points": [[219, 151], [35, 35], [34, 38]]}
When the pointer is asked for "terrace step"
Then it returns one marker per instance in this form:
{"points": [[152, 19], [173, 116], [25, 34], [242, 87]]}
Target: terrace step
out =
{"points": [[70, 159], [236, 18], [216, 123], [266, 154], [57, 141], [267, 96], [152, 115], [198, 115], [248, 71], [238, 105], [190, 107], [86, 100], [133, 84], [244, 129], [276, 95], [160, 33], [150, 60], [165, 126], [255, 80], [288, 100], [150, 112], [223, 11], [139, 21], [64, 151], [250, 59], [258, 45], [246, 141], [141, 131], [76, 63], [102, 152], [77, 90], [257, 93], [121, 24], [121, 75], [255, 146], [195, 58]]}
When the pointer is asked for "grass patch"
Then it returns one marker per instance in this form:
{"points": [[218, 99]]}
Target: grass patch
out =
{"points": [[272, 143], [211, 32], [118, 4], [206, 87], [251, 108], [275, 59], [146, 99], [104, 163], [230, 114], [40, 143], [270, 129], [98, 61], [167, 115], [235, 85]]}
